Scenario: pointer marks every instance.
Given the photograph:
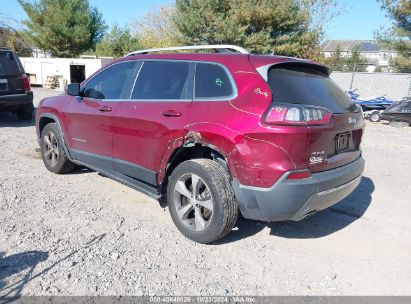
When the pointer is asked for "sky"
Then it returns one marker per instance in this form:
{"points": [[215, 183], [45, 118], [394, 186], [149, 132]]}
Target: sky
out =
{"points": [[361, 19]]}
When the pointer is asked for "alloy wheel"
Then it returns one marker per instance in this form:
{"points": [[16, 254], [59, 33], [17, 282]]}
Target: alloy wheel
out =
{"points": [[51, 149], [193, 202]]}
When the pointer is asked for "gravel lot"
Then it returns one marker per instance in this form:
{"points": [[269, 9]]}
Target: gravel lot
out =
{"points": [[84, 234]]}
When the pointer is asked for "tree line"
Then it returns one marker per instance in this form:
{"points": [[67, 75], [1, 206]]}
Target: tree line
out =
{"points": [[68, 28]]}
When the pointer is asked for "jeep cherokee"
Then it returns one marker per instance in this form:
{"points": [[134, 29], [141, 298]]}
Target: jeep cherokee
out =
{"points": [[211, 135]]}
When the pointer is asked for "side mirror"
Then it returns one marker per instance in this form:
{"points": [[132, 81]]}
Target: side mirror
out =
{"points": [[73, 89]]}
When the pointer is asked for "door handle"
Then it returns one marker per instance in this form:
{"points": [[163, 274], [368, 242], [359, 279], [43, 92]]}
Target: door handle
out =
{"points": [[104, 109], [171, 113]]}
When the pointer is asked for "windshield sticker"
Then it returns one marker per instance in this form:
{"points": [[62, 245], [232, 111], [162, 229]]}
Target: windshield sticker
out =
{"points": [[219, 82]]}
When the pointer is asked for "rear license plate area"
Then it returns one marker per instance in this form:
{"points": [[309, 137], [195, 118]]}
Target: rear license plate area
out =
{"points": [[342, 142]]}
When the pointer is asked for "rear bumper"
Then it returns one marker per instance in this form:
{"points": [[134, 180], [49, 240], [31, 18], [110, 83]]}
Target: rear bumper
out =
{"points": [[294, 199], [11, 102]]}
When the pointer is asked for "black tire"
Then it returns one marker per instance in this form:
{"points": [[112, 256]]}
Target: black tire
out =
{"points": [[224, 206], [375, 116], [59, 164], [25, 113]]}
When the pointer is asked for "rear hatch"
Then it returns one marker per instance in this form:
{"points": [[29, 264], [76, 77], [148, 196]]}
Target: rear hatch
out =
{"points": [[336, 141], [11, 80]]}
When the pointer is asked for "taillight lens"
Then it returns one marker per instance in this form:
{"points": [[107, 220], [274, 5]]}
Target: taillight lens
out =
{"points": [[299, 175], [26, 83], [297, 114]]}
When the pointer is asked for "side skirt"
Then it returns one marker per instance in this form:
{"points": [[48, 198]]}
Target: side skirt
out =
{"points": [[136, 184]]}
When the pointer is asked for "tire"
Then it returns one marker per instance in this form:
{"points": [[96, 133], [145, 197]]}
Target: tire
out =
{"points": [[188, 211], [52, 151], [375, 117], [25, 113]]}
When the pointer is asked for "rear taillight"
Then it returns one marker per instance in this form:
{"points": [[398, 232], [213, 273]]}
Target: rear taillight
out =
{"points": [[26, 83], [297, 114]]}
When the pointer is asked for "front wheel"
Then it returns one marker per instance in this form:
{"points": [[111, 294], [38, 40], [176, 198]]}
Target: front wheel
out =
{"points": [[52, 151], [201, 200]]}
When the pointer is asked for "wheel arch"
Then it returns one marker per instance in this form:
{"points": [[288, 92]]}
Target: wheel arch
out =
{"points": [[189, 151], [44, 120]]}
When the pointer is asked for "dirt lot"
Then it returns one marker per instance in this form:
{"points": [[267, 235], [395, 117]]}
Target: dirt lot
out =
{"points": [[84, 234]]}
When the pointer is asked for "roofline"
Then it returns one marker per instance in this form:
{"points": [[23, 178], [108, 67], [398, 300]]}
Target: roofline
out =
{"points": [[222, 47]]}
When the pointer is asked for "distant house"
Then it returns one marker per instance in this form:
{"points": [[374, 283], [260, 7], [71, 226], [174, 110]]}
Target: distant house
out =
{"points": [[369, 49]]}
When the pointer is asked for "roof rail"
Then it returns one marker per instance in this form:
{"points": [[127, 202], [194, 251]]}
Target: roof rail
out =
{"points": [[220, 48]]}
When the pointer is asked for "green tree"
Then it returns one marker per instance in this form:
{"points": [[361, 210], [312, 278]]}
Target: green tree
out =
{"points": [[117, 42], [355, 62], [337, 61], [378, 69], [399, 36], [286, 27], [65, 27]]}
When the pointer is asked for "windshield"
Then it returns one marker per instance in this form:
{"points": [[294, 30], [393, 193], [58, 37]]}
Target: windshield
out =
{"points": [[296, 83], [8, 64]]}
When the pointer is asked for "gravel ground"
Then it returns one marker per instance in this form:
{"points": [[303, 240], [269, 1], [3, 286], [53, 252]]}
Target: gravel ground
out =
{"points": [[84, 234]]}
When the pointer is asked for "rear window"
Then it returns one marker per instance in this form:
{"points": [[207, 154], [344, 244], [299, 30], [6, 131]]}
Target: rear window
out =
{"points": [[8, 64], [309, 86]]}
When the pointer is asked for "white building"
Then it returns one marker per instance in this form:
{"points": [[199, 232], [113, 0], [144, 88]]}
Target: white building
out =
{"points": [[71, 69], [369, 49]]}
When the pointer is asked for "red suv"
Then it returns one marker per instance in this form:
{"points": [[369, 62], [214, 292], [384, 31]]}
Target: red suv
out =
{"points": [[211, 135]]}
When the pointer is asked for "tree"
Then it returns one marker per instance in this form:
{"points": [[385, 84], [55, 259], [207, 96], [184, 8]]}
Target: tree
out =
{"points": [[65, 27], [355, 62], [156, 29], [12, 39], [117, 42], [399, 36], [264, 26], [337, 61]]}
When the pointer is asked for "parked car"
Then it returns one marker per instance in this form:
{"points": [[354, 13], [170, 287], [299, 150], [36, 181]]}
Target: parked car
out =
{"points": [[15, 92], [211, 135], [399, 111]]}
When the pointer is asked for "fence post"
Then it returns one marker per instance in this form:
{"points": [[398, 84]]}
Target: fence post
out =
{"points": [[352, 80]]}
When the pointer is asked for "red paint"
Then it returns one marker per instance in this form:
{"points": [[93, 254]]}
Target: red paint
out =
{"points": [[257, 153]]}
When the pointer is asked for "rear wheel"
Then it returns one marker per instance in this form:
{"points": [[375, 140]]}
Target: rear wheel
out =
{"points": [[25, 113], [52, 151], [201, 200]]}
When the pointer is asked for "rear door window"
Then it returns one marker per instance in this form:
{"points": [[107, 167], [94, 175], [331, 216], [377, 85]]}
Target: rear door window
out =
{"points": [[162, 80], [212, 82], [305, 85], [114, 82], [8, 64]]}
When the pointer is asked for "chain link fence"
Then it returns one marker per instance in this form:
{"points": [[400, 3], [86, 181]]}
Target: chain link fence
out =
{"points": [[394, 86]]}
